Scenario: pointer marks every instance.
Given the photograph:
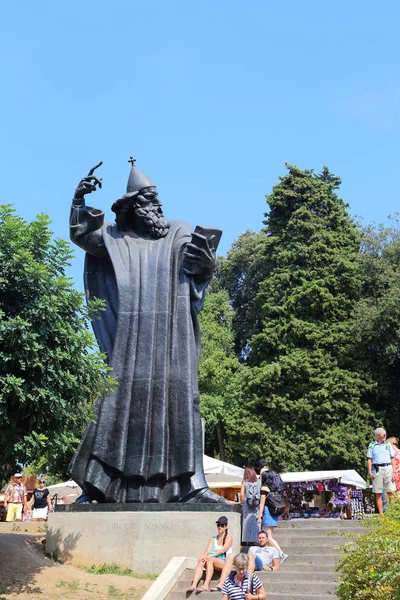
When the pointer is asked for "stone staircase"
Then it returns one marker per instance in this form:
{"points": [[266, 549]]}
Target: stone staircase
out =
{"points": [[308, 573]]}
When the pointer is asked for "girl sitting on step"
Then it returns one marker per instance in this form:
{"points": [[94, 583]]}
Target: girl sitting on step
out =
{"points": [[214, 557]]}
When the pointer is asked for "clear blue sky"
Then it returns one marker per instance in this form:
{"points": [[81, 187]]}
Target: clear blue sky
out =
{"points": [[211, 97]]}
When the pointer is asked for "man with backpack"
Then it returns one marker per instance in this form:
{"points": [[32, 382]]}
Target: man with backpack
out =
{"points": [[272, 504], [380, 456]]}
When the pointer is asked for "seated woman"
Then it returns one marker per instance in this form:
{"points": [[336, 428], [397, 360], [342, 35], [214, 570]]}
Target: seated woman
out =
{"points": [[241, 585], [218, 547]]}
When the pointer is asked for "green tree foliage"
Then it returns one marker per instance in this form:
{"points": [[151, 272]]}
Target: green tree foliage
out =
{"points": [[241, 274], [377, 319], [302, 392], [233, 432], [41, 467], [50, 374], [370, 568], [219, 383]]}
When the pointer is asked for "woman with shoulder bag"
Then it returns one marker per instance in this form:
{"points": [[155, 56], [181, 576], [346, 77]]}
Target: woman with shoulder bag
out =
{"points": [[267, 521]]}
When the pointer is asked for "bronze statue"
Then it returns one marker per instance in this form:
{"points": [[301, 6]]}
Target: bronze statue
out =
{"points": [[146, 442]]}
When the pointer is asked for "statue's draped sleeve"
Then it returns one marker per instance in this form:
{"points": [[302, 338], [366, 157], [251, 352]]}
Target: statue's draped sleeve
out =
{"points": [[85, 229]]}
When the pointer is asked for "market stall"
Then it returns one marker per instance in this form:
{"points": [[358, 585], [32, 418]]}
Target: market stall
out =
{"points": [[223, 478], [318, 494]]}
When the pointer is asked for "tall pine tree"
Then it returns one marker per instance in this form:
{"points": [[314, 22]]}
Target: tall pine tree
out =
{"points": [[302, 382]]}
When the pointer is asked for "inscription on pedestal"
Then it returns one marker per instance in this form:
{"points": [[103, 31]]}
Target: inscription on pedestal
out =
{"points": [[142, 541], [156, 530]]}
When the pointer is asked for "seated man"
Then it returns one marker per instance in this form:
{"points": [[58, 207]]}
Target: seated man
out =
{"points": [[263, 557]]}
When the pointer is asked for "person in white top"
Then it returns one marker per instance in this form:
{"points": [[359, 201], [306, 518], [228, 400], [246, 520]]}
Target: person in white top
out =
{"points": [[263, 557], [380, 458]]}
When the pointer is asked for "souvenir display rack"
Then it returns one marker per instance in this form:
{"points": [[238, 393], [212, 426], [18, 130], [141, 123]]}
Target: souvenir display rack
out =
{"points": [[322, 499]]}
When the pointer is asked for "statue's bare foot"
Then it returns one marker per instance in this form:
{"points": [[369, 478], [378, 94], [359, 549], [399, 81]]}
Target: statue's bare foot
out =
{"points": [[204, 496]]}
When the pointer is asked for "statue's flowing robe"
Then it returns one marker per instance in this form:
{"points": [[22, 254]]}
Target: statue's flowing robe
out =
{"points": [[146, 442]]}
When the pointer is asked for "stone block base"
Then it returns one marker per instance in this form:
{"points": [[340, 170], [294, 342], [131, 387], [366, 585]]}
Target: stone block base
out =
{"points": [[143, 538]]}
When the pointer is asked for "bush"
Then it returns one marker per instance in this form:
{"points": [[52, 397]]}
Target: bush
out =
{"points": [[370, 568]]}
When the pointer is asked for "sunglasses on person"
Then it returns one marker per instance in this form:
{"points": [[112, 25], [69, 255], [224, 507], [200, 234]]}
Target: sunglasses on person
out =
{"points": [[41, 481], [220, 524]]}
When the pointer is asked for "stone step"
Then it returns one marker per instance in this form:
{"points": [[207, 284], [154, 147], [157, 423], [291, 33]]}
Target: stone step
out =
{"points": [[319, 532], [306, 548], [275, 583], [300, 587], [278, 596], [307, 567], [320, 523], [283, 576], [280, 576], [291, 541], [270, 596], [318, 559]]}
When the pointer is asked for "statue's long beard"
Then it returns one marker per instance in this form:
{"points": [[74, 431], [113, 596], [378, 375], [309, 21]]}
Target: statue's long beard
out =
{"points": [[156, 225]]}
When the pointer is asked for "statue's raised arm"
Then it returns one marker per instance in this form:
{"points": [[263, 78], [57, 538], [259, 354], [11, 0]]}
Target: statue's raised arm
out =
{"points": [[85, 223]]}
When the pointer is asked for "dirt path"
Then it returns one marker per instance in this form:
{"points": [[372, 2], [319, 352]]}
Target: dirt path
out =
{"points": [[26, 573]]}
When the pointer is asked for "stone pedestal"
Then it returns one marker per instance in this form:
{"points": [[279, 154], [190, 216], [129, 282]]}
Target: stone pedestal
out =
{"points": [[141, 537]]}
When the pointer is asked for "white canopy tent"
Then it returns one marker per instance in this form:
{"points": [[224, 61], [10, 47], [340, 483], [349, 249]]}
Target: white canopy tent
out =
{"points": [[213, 465], [347, 477], [220, 474], [227, 475], [66, 488]]}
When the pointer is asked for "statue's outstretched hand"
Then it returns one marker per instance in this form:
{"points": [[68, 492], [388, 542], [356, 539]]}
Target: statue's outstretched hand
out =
{"points": [[88, 184], [199, 257]]}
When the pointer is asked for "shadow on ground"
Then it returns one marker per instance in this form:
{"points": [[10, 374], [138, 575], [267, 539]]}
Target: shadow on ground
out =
{"points": [[22, 558]]}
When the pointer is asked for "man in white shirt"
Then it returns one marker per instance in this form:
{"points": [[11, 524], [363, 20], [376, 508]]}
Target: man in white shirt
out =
{"points": [[263, 557], [380, 456]]}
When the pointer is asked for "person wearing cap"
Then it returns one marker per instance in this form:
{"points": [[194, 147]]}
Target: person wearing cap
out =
{"points": [[218, 548], [40, 501], [380, 456], [15, 499]]}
